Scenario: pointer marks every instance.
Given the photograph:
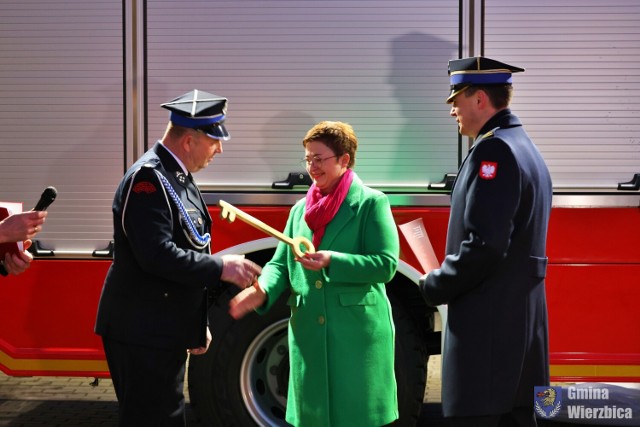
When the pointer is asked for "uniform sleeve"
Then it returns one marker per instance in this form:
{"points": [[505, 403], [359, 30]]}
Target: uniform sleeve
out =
{"points": [[381, 248], [492, 198], [148, 224]]}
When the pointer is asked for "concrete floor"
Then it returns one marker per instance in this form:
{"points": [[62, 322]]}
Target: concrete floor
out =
{"points": [[75, 402]]}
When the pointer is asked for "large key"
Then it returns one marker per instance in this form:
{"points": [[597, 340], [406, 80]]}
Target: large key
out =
{"points": [[230, 212]]}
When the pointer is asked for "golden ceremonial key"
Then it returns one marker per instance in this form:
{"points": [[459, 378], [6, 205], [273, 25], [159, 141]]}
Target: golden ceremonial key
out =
{"points": [[230, 212]]}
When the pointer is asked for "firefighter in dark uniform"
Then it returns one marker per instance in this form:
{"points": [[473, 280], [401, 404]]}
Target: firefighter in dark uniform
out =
{"points": [[492, 278], [153, 307]]}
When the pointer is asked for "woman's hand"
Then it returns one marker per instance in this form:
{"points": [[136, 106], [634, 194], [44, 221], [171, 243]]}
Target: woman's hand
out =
{"points": [[247, 301], [316, 261]]}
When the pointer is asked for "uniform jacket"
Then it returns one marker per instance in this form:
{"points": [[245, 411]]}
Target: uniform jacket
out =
{"points": [[155, 292], [341, 332], [492, 278]]}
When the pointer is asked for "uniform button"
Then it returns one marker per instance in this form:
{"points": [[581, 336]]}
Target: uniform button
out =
{"points": [[318, 284], [321, 320]]}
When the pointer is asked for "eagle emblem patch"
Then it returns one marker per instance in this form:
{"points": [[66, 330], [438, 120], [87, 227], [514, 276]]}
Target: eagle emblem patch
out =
{"points": [[488, 170]]}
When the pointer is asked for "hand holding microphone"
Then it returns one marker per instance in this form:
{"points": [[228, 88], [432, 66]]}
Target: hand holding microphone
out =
{"points": [[47, 197], [21, 228], [34, 219]]}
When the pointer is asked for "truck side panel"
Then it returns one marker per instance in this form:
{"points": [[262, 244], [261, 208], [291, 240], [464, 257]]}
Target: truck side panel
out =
{"points": [[47, 315], [593, 289]]}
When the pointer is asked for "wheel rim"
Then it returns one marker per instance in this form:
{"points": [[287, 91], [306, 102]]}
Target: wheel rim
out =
{"points": [[264, 375]]}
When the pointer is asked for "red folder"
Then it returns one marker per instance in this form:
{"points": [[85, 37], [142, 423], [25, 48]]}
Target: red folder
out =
{"points": [[6, 209]]}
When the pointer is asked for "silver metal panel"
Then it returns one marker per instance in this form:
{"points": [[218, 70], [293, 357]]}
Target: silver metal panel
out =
{"points": [[617, 200], [286, 65], [62, 113], [579, 97]]}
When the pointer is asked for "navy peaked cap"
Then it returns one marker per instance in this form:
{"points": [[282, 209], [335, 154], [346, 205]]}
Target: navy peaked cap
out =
{"points": [[200, 110], [478, 70]]}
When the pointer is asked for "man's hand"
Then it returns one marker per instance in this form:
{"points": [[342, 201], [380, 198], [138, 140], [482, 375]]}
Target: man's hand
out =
{"points": [[239, 271], [16, 264], [202, 350], [22, 226]]}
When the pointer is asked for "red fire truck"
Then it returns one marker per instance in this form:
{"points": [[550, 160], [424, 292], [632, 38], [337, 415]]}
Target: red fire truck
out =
{"points": [[81, 83]]}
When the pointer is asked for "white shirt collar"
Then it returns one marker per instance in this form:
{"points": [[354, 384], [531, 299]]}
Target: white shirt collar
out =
{"points": [[182, 166]]}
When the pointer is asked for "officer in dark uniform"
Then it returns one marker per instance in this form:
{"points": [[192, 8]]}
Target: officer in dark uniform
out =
{"points": [[153, 306], [492, 278]]}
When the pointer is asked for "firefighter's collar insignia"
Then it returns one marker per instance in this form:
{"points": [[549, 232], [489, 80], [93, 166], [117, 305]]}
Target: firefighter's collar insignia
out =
{"points": [[489, 134], [181, 177]]}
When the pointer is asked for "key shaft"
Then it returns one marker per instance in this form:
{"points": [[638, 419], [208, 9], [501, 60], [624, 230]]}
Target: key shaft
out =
{"points": [[230, 213]]}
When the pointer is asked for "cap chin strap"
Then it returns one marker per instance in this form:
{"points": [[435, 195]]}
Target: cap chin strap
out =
{"points": [[197, 240]]}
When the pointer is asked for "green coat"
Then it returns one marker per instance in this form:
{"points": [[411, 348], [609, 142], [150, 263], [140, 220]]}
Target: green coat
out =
{"points": [[341, 332]]}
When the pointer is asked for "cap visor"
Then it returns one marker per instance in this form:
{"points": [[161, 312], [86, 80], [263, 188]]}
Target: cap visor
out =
{"points": [[455, 93], [217, 131]]}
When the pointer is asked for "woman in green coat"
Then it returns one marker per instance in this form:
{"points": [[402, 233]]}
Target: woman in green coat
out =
{"points": [[341, 332]]}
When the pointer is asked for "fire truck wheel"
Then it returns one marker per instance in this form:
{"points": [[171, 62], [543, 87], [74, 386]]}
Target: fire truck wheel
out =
{"points": [[242, 379]]}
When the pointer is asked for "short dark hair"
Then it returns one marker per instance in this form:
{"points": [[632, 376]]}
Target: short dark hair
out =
{"points": [[499, 95], [338, 136]]}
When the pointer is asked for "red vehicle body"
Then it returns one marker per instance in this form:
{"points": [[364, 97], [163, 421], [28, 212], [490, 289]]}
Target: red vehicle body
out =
{"points": [[593, 288]]}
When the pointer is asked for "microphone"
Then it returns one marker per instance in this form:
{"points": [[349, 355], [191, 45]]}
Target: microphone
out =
{"points": [[47, 197]]}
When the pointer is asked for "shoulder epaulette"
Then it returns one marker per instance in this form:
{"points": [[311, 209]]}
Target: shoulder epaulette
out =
{"points": [[491, 133]]}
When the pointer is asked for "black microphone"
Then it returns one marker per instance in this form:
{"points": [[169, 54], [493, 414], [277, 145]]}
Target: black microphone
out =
{"points": [[48, 196]]}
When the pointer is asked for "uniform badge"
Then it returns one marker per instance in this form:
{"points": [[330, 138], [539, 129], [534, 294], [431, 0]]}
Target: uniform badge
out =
{"points": [[181, 177], [488, 170], [144, 187]]}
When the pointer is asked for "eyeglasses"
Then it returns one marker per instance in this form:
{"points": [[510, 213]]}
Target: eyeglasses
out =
{"points": [[315, 161]]}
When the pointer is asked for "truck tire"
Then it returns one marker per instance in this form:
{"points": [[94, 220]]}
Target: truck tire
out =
{"points": [[410, 364], [242, 379]]}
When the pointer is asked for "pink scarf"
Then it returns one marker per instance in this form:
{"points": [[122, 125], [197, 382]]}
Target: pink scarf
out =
{"points": [[320, 209]]}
